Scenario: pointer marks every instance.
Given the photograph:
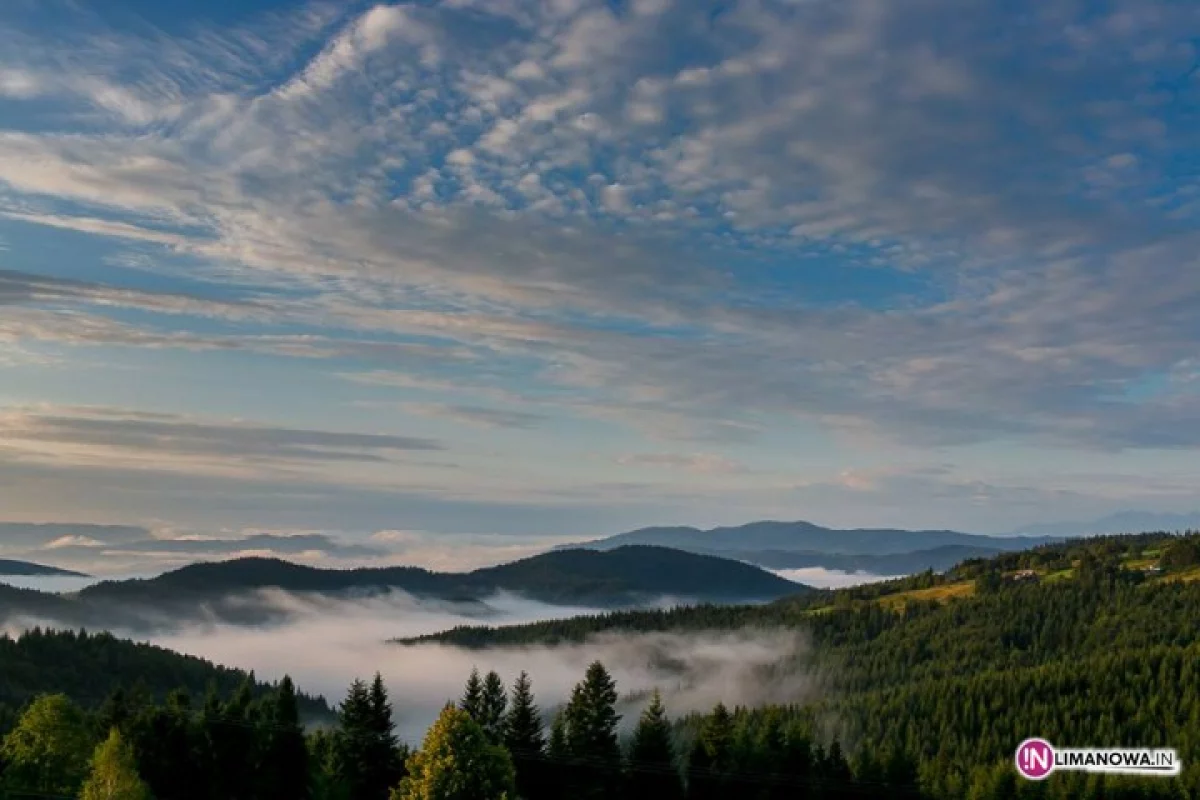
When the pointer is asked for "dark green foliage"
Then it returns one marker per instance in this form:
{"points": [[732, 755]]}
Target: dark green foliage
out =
{"points": [[523, 722], [653, 774], [366, 760], [592, 745], [89, 668], [712, 757], [283, 772], [1182, 554], [493, 703], [472, 697], [526, 741]]}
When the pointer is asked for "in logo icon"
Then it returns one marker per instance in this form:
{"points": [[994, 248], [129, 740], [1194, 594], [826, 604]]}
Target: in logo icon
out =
{"points": [[1035, 759]]}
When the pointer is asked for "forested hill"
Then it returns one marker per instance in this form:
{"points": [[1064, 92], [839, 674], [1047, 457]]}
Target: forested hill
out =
{"points": [[9, 568], [89, 667], [572, 576], [627, 576], [1090, 643]]}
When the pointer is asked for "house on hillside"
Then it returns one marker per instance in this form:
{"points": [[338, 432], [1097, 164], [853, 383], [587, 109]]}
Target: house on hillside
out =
{"points": [[1023, 576]]}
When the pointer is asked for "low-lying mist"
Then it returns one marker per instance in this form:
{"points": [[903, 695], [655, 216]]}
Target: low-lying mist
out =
{"points": [[327, 642]]}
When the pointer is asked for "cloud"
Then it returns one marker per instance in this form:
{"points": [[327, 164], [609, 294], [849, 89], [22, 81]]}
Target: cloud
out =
{"points": [[477, 415], [53, 535], [849, 218], [696, 462], [830, 578], [25, 288], [141, 440]]}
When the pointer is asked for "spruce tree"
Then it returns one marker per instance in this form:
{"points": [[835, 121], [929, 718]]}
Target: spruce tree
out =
{"points": [[353, 752], [385, 747], [472, 698], [652, 771], [524, 738], [591, 734], [709, 759], [558, 759], [523, 722], [283, 768], [492, 704]]}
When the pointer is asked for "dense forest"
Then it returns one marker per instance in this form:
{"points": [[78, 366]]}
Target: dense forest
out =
{"points": [[1087, 643], [493, 744], [89, 667], [928, 685]]}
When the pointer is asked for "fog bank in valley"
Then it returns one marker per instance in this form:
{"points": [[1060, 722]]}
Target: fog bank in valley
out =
{"points": [[822, 578], [329, 642]]}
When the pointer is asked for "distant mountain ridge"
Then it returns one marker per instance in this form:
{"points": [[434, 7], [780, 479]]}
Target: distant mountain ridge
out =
{"points": [[937, 559], [574, 575], [23, 569], [623, 577], [1120, 522], [790, 545]]}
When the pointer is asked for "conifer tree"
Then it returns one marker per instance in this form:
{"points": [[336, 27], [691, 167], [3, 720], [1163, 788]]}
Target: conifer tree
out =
{"points": [[283, 767], [653, 774], [591, 733], [523, 722], [492, 704], [353, 752], [709, 758], [524, 738], [472, 698]]}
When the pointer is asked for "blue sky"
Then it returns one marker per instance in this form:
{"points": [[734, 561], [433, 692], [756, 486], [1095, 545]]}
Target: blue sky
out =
{"points": [[563, 268]]}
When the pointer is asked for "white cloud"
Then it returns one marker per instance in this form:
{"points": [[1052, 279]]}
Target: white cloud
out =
{"points": [[19, 84], [1014, 303]]}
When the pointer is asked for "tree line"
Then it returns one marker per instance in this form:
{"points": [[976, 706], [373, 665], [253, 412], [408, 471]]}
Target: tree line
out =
{"points": [[492, 744]]}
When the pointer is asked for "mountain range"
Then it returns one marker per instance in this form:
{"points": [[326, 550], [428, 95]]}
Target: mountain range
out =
{"points": [[231, 591], [1120, 522], [796, 545]]}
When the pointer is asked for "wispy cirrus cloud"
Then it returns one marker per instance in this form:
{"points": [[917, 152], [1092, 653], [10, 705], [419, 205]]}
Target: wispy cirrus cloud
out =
{"points": [[141, 440]]}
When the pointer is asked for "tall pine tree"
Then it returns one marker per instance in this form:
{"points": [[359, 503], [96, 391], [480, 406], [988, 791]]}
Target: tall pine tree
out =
{"points": [[283, 765], [591, 734], [492, 704], [353, 753], [472, 698], [709, 759], [653, 774], [524, 738]]}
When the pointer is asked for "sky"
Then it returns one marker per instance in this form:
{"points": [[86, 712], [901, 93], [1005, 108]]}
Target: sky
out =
{"points": [[441, 276]]}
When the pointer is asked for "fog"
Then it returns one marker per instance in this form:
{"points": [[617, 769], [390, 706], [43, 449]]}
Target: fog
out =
{"points": [[329, 642], [49, 583], [823, 578]]}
